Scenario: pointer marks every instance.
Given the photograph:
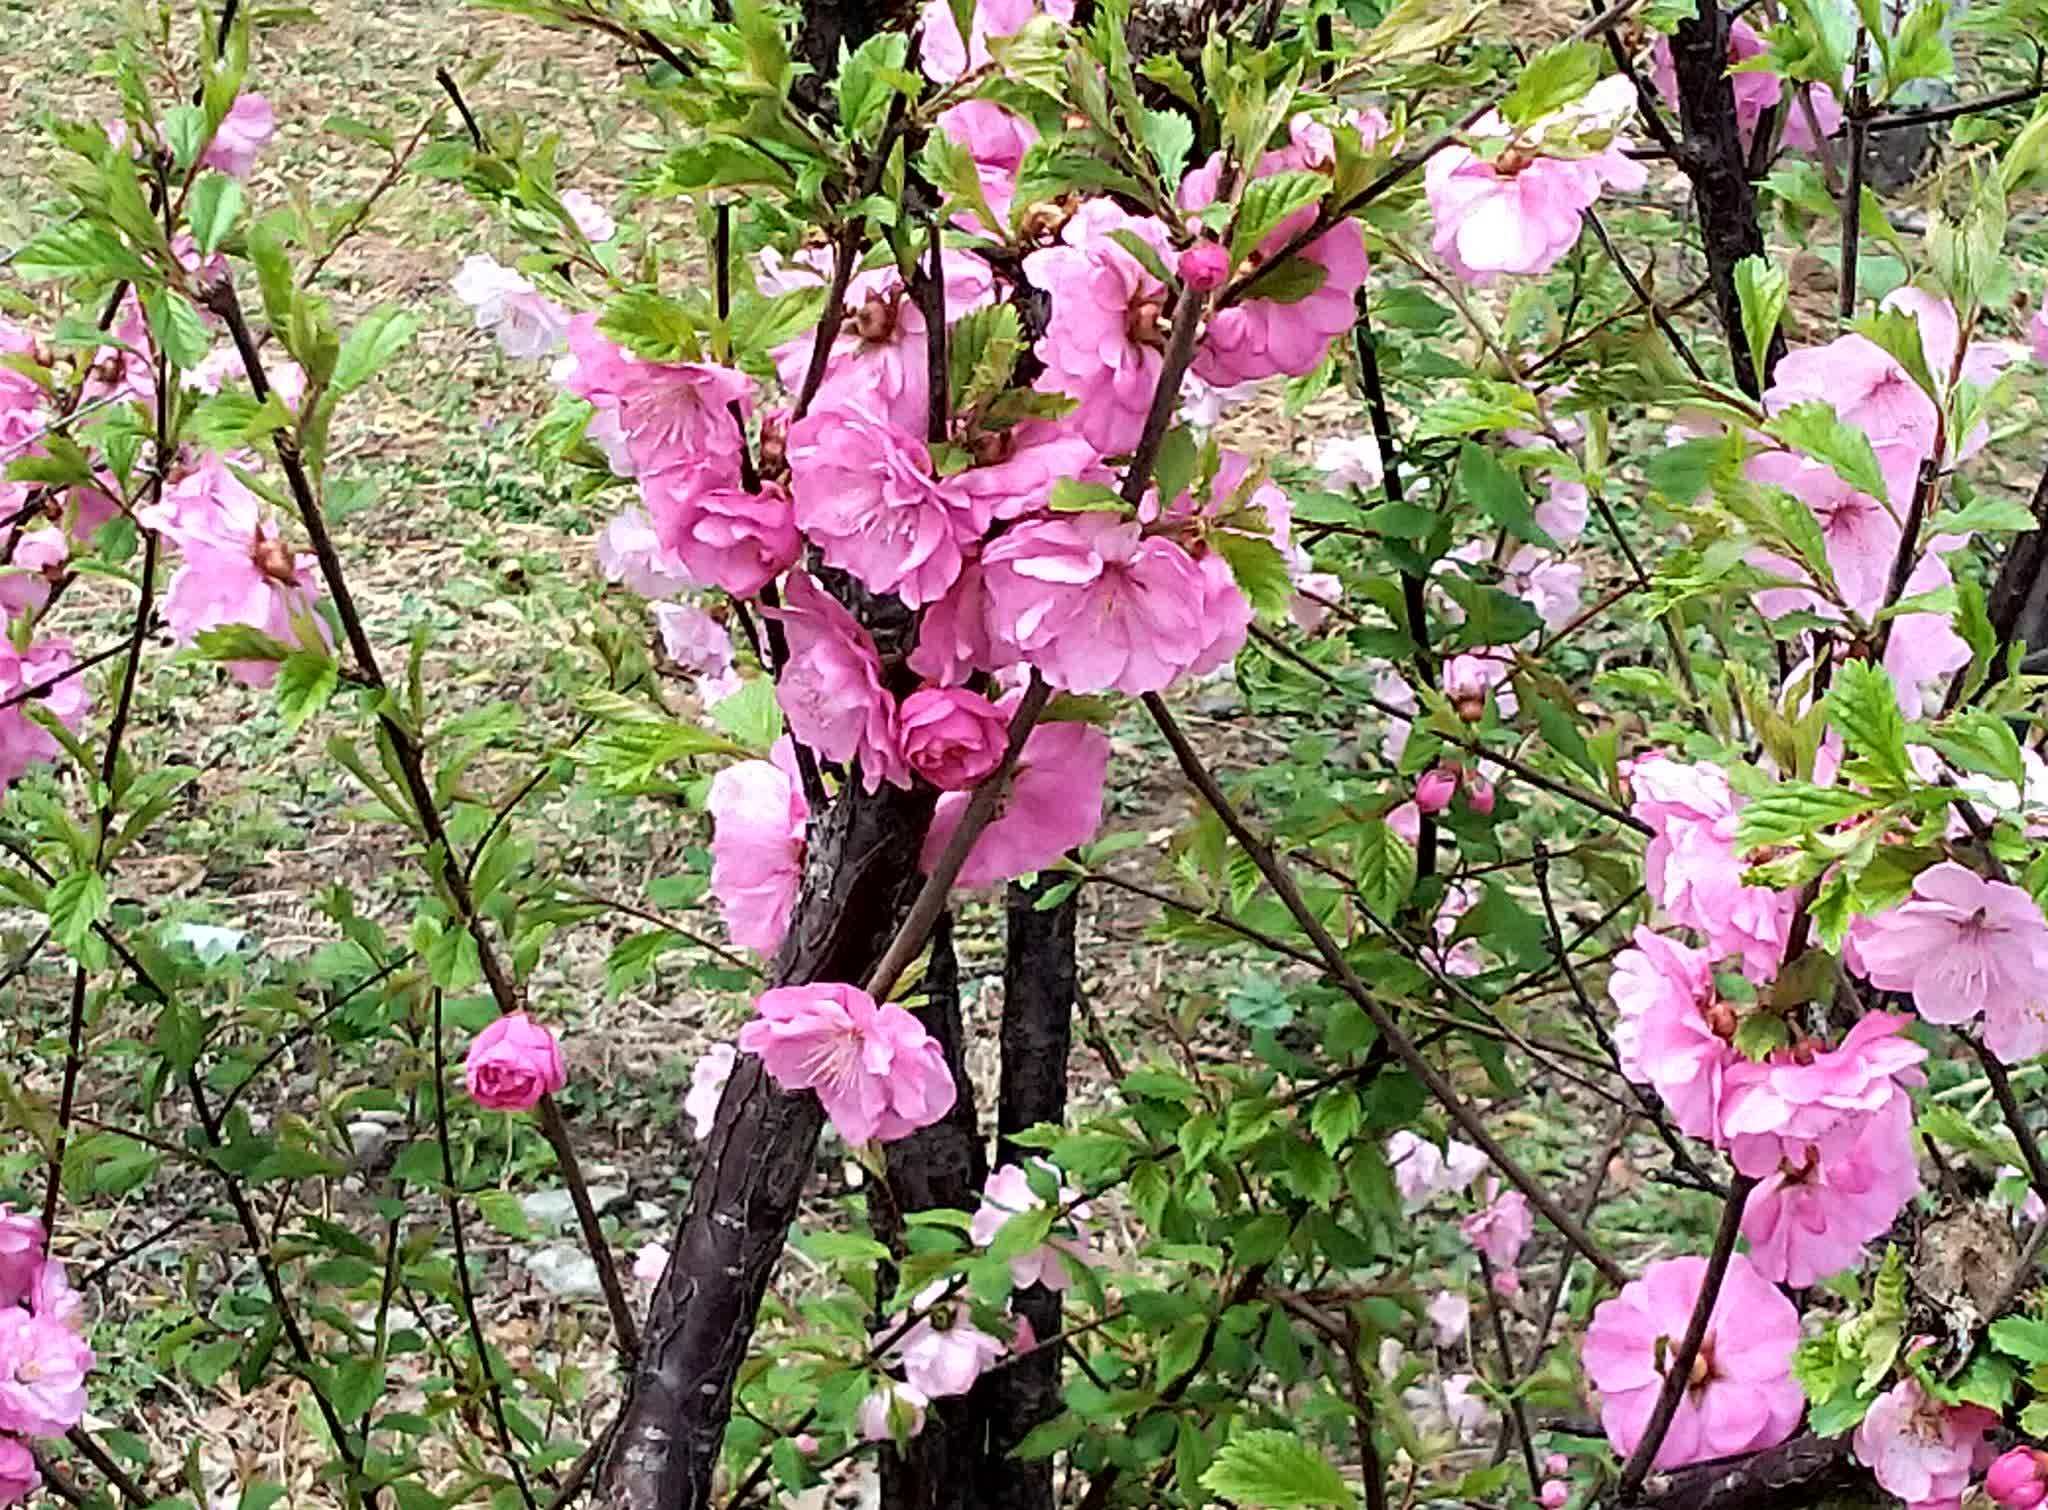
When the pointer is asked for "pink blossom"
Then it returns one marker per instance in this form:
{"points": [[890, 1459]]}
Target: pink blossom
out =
{"points": [[40, 556], [22, 1240], [1014, 469], [865, 496], [1674, 1032], [630, 552], [1556, 1466], [51, 1297], [1554, 1494], [1800, 133], [1435, 789], [1741, 1396], [1422, 1172], [1466, 1405], [878, 1074], [1966, 947], [1500, 1228], [723, 536], [224, 365], [513, 1063], [1811, 1215], [1205, 266], [19, 1476], [2039, 331], [1008, 1193], [831, 687], [946, 56], [1692, 869], [1203, 405], [244, 131], [1562, 514], [952, 737], [47, 663], [589, 217], [1754, 92], [693, 639], [891, 1413], [1479, 795], [1094, 604], [1920, 1450], [1052, 805], [42, 1375], [758, 817], [1861, 533], [707, 1088], [671, 415], [1314, 593], [805, 1444], [1350, 461], [996, 139], [1449, 1315], [945, 1352], [2018, 1480], [526, 322], [953, 639], [650, 1263], [1924, 650], [1105, 343], [1801, 1095]]}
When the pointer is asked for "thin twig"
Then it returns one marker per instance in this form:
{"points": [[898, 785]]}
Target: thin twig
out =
{"points": [[1507, 1372], [626, 1330]]}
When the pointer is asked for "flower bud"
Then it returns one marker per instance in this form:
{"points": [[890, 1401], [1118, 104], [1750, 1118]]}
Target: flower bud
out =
{"points": [[1433, 793], [805, 1444], [1721, 1020], [1555, 1493], [1204, 266], [1479, 795], [2019, 1479], [1556, 1466]]}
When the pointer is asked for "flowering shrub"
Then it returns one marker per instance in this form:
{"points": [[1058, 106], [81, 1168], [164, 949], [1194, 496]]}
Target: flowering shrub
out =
{"points": [[1628, 720]]}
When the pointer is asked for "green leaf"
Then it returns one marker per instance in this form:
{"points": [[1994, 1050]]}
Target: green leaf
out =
{"points": [[305, 682], [1497, 488], [502, 1210], [652, 326], [1983, 514], [1169, 137], [1072, 496], [751, 715], [375, 339], [76, 249], [2021, 1337], [1813, 429], [1760, 1034], [1982, 742], [1276, 1470], [1763, 287], [1260, 571], [1268, 201], [1383, 869], [239, 642], [868, 80], [1292, 281], [178, 327], [77, 902], [982, 354], [1492, 617], [353, 1387], [1793, 809], [216, 201], [1552, 79], [1864, 706]]}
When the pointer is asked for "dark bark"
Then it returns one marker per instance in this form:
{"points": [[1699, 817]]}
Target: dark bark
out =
{"points": [[1712, 157], [830, 25], [2018, 605], [1039, 993], [860, 875], [941, 1166], [1797, 1475]]}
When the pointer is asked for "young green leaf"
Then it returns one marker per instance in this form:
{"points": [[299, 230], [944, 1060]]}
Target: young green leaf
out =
{"points": [[1276, 1470]]}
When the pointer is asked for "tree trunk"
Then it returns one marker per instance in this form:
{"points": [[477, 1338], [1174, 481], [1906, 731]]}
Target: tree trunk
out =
{"points": [[860, 875], [1039, 993], [1714, 160]]}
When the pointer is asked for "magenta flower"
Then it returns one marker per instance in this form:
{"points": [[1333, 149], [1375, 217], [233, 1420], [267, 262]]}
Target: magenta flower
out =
{"points": [[1094, 604], [831, 688], [1741, 1396], [758, 817], [1014, 470], [42, 1375], [1205, 266], [1692, 869], [1105, 343], [244, 131], [877, 1073], [513, 1063], [1008, 1193], [1053, 804], [946, 55], [952, 737], [1500, 1228], [1675, 1033], [2018, 1480], [19, 1476], [1809, 1217], [945, 1352], [707, 1088], [953, 638], [723, 536], [526, 322], [23, 741], [996, 139], [629, 551], [865, 495], [1435, 788], [22, 1241], [1920, 1450], [1801, 1095], [669, 414], [1966, 947]]}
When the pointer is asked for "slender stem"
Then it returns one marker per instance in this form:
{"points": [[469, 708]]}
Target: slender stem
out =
{"points": [[74, 1059], [2015, 1119], [1899, 120], [448, 86], [88, 1445], [1507, 1372], [557, 1133], [1908, 553], [1852, 197], [1642, 293]]}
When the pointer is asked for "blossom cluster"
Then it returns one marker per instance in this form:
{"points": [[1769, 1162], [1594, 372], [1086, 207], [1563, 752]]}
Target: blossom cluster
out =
{"points": [[44, 1358]]}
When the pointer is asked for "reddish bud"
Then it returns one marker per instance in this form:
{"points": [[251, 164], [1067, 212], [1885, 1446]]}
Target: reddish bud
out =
{"points": [[1204, 266], [274, 559], [1722, 1021], [1433, 793], [875, 320]]}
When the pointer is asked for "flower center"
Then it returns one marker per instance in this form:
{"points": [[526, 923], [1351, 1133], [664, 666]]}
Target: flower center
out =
{"points": [[274, 560], [875, 320], [1141, 323], [991, 447]]}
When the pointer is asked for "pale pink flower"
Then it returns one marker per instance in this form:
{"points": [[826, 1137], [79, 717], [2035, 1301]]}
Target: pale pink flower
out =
{"points": [[513, 1063], [877, 1073], [865, 495], [1562, 514], [1500, 1227], [1862, 535], [1350, 461], [1422, 1171], [1924, 650], [670, 415], [1674, 1032], [952, 737], [1450, 1314], [893, 1412], [707, 1087], [1008, 1193], [1811, 1215], [42, 1375], [1203, 405], [1466, 1405], [831, 688], [650, 1263], [244, 131], [1105, 343], [19, 1476], [1801, 1095], [805, 1444], [223, 365], [630, 552], [51, 1297], [589, 217], [996, 139], [39, 559], [1315, 591], [22, 1241], [1096, 605], [723, 536], [1692, 869], [1554, 1495], [1920, 1450], [945, 1352], [1754, 92], [693, 639], [946, 55], [47, 663], [1966, 947], [526, 322], [1052, 805], [758, 818], [2018, 1480], [1741, 1396]]}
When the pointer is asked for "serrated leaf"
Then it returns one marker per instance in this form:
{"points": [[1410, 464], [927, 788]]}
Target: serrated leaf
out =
{"points": [[1259, 570], [1982, 742], [1793, 809], [2021, 1337], [1551, 80], [651, 326], [1497, 488], [215, 201], [1384, 869], [1814, 429], [374, 340], [982, 354], [306, 680], [178, 327], [1863, 705], [76, 903], [1169, 136], [1268, 201], [1276, 1470]]}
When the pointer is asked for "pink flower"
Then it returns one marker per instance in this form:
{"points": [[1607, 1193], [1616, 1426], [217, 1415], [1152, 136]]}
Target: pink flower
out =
{"points": [[1674, 1032], [2018, 1480], [1920, 1450], [1862, 535], [866, 497], [723, 536], [513, 1063], [1435, 789], [1422, 1172], [805, 1444], [952, 737], [1754, 92], [1204, 266], [1053, 804], [1479, 795], [707, 1088], [51, 1297], [22, 1241], [831, 688], [946, 56], [945, 1352], [1449, 1315], [669, 414], [877, 1073], [1966, 947], [1692, 869], [892, 1413], [1467, 1407], [19, 1476], [223, 365], [2039, 330], [650, 1264], [589, 217], [1811, 1215], [953, 638], [46, 663], [526, 322], [42, 1375], [1105, 343], [996, 139], [1741, 1396], [1803, 1095], [758, 817], [1015, 469], [244, 131], [1350, 461], [693, 639], [1556, 1466], [1095, 604], [630, 552], [1554, 1494], [1314, 592], [1009, 1193], [1500, 1228]]}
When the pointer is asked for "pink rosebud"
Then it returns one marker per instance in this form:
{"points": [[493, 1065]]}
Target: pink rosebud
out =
{"points": [[805, 1444], [1556, 1466], [1479, 795], [1433, 793], [21, 1253], [1204, 266], [951, 737], [1555, 1493], [513, 1063], [893, 1411], [18, 1476], [2019, 1479]]}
